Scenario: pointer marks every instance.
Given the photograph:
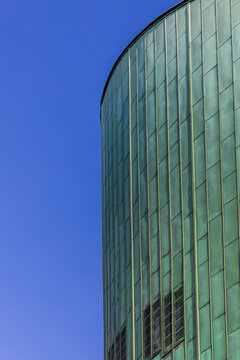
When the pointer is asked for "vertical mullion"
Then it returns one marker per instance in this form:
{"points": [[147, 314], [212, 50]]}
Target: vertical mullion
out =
{"points": [[207, 191], [158, 190], [131, 208], [181, 194], [221, 185], [103, 229], [235, 128], [193, 190], [148, 200], [139, 202], [169, 188]]}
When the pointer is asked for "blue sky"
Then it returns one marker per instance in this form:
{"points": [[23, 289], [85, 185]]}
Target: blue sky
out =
{"points": [[55, 57]]}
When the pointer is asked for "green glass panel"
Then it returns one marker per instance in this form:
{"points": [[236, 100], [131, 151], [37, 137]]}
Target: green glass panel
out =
{"points": [[155, 286], [144, 239], [197, 90], [163, 174], [141, 84], [172, 69], [223, 21], [236, 45], [233, 309], [153, 195], [133, 80], [174, 156], [166, 284], [145, 285], [232, 263], [195, 19], [190, 270], [166, 265], [236, 15], [171, 43], [230, 221], [188, 234], [160, 33], [202, 250], [150, 58], [225, 65], [177, 270], [234, 348], [173, 134], [204, 317], [214, 191], [212, 137], [184, 98], [199, 145], [210, 53], [216, 252], [135, 179], [154, 253], [175, 192], [209, 27], [198, 118], [196, 52], [154, 223], [161, 105], [183, 64], [205, 4], [227, 114], [165, 230], [201, 211], [137, 299], [136, 258], [151, 119], [161, 63], [152, 156], [179, 352], [185, 143], [150, 83], [211, 93], [230, 187], [182, 21], [142, 149], [142, 113], [190, 318], [217, 295], [187, 190], [192, 349], [206, 355], [176, 235], [228, 155], [162, 142], [172, 102], [203, 281]]}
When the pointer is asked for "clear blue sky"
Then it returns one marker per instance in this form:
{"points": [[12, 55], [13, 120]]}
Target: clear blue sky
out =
{"points": [[55, 57]]}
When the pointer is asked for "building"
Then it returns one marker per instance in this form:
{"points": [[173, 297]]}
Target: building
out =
{"points": [[170, 119]]}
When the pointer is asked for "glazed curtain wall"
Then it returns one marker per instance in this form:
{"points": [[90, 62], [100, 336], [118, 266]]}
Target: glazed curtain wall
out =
{"points": [[170, 121]]}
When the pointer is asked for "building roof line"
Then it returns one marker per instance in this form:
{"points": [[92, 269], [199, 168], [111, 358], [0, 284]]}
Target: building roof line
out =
{"points": [[172, 9]]}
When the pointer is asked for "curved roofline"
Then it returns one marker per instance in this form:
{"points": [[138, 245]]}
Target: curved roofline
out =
{"points": [[172, 9]]}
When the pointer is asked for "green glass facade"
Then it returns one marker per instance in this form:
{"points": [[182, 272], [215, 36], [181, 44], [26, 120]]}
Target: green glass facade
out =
{"points": [[170, 119]]}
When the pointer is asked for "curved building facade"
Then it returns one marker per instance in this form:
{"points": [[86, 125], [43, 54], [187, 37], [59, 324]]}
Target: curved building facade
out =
{"points": [[170, 120]]}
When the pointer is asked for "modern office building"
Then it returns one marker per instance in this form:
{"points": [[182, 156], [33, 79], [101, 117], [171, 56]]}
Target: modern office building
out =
{"points": [[170, 119]]}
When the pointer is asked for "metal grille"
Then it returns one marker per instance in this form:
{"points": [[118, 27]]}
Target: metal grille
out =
{"points": [[156, 323], [123, 344], [147, 332], [178, 314], [167, 320]]}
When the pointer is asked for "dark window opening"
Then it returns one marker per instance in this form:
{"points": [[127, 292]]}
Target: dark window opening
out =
{"points": [[167, 320], [178, 315], [123, 343], [156, 323], [147, 332]]}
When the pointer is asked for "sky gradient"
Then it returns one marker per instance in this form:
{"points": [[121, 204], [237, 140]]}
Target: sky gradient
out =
{"points": [[55, 57]]}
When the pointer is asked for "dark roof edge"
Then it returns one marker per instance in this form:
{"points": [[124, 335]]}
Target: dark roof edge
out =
{"points": [[172, 9]]}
